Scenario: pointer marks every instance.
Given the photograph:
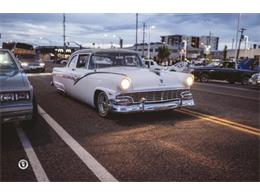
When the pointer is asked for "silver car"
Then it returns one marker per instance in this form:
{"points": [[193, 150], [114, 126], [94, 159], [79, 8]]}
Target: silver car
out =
{"points": [[17, 102], [255, 79]]}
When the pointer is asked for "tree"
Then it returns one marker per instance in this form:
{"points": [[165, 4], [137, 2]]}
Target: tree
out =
{"points": [[163, 53], [225, 53], [225, 63]]}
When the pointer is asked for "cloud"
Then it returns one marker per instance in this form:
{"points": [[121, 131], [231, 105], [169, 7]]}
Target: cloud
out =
{"points": [[91, 28]]}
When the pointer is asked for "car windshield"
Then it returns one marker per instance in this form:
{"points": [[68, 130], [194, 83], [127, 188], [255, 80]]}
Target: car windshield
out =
{"points": [[29, 58], [112, 59], [6, 61]]}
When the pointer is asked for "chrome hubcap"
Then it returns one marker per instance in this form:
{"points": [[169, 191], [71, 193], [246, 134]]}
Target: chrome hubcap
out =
{"points": [[103, 105]]}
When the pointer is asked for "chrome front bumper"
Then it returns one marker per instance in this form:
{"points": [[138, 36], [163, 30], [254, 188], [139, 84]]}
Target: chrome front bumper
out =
{"points": [[16, 113], [149, 107]]}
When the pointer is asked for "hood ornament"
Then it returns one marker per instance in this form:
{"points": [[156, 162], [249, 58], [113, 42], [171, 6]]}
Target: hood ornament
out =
{"points": [[161, 82]]}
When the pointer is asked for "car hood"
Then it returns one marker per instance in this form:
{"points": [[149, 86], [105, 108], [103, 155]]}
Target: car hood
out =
{"points": [[144, 78], [12, 80]]}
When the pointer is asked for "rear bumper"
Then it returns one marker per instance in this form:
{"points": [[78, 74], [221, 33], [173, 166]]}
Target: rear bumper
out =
{"points": [[16, 113], [34, 69], [149, 107]]}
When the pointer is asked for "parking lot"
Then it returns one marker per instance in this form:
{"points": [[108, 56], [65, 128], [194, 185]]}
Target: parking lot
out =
{"points": [[217, 140]]}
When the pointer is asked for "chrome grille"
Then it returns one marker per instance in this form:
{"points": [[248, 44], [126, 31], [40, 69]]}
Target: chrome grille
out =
{"points": [[154, 96]]}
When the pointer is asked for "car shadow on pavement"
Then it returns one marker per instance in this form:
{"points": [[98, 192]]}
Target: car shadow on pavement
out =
{"points": [[9, 138], [39, 134], [150, 118]]}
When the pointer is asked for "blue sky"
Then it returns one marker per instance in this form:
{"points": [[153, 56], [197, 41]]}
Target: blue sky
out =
{"points": [[106, 28]]}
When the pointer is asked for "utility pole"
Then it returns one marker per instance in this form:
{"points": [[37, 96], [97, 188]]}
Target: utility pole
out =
{"points": [[210, 34], [64, 35], [237, 30], [136, 32], [143, 37], [240, 40]]}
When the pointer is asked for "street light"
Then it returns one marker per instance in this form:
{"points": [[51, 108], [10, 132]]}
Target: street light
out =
{"points": [[149, 30], [44, 38]]}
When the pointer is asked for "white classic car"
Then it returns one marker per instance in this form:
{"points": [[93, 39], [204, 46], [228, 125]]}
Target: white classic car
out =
{"points": [[116, 80]]}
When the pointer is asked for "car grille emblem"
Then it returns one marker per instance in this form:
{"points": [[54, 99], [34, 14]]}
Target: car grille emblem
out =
{"points": [[161, 81]]}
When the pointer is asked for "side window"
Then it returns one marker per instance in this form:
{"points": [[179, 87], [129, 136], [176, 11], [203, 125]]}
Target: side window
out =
{"points": [[82, 61], [73, 62]]}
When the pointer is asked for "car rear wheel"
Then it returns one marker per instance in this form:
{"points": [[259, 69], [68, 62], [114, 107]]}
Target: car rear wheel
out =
{"points": [[204, 78], [245, 80], [102, 104]]}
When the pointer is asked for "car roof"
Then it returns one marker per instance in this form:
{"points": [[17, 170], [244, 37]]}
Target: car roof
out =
{"points": [[4, 50], [83, 51]]}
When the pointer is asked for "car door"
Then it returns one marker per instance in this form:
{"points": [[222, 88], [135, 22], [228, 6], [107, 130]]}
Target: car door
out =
{"points": [[68, 77], [217, 73], [78, 89]]}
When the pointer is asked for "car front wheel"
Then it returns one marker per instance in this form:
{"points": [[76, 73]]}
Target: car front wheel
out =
{"points": [[102, 103], [204, 78]]}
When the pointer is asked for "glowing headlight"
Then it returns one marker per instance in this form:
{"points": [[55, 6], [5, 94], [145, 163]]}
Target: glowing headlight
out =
{"points": [[189, 80], [125, 84], [24, 64], [42, 64]]}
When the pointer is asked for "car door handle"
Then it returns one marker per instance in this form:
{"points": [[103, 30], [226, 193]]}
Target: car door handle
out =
{"points": [[73, 69]]}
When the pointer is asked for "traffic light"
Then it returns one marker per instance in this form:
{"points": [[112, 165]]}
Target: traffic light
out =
{"points": [[195, 42]]}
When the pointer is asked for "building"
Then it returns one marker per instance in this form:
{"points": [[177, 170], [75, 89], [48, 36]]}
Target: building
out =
{"points": [[154, 48], [244, 53], [176, 41], [193, 42], [55, 52], [209, 40], [142, 49]]}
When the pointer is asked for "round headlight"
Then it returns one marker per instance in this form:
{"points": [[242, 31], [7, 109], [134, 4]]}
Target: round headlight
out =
{"points": [[189, 80], [125, 84]]}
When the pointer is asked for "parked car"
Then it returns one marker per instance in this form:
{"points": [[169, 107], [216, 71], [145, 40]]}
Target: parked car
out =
{"points": [[32, 63], [17, 102], [116, 80], [255, 79], [204, 74], [153, 65], [61, 61], [180, 67]]}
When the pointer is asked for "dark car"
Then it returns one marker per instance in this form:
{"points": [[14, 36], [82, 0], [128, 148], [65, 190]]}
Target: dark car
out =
{"points": [[32, 63], [17, 102], [204, 74]]}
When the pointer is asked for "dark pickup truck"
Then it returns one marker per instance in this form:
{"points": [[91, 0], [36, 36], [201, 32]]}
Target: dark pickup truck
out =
{"points": [[204, 74]]}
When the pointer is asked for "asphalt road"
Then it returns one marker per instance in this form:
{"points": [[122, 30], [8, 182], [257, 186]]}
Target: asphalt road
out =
{"points": [[72, 143]]}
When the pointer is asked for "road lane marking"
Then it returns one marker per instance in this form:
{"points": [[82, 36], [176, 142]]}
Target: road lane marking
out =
{"points": [[101, 173], [225, 94], [34, 161], [217, 120], [39, 74]]}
